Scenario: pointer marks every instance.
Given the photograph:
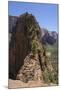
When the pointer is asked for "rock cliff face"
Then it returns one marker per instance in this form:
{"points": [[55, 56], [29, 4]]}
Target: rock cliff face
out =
{"points": [[27, 57], [12, 23], [18, 49], [18, 52], [25, 31], [47, 37]]}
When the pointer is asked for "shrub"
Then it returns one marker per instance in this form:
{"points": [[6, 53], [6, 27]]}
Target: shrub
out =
{"points": [[34, 47]]}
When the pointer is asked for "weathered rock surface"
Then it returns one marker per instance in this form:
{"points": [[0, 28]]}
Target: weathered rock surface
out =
{"points": [[27, 57], [18, 49], [31, 69]]}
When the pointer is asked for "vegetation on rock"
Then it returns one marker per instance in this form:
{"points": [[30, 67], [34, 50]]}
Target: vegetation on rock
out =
{"points": [[27, 43]]}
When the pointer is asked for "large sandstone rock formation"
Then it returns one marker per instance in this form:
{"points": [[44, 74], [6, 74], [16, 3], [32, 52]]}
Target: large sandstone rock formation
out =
{"points": [[27, 57]]}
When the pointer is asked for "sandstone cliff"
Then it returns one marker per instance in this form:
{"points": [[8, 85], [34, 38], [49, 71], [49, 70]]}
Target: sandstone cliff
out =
{"points": [[27, 56]]}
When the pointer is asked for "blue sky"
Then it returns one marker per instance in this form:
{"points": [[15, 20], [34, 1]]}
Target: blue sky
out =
{"points": [[46, 14]]}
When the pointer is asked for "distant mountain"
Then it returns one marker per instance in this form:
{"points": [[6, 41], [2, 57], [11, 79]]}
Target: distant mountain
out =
{"points": [[49, 37]]}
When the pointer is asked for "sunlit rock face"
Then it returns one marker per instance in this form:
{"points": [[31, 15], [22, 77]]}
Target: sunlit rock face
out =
{"points": [[31, 70], [20, 42], [27, 56], [33, 63]]}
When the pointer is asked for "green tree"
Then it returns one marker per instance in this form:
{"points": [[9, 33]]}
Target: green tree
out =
{"points": [[34, 47]]}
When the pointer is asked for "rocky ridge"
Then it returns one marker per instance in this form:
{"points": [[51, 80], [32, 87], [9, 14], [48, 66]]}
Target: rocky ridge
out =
{"points": [[27, 56]]}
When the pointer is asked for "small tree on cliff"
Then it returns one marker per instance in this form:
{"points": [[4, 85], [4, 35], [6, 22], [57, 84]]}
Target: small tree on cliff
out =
{"points": [[34, 48]]}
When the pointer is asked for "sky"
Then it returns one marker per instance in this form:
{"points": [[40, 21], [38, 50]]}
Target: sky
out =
{"points": [[46, 14]]}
